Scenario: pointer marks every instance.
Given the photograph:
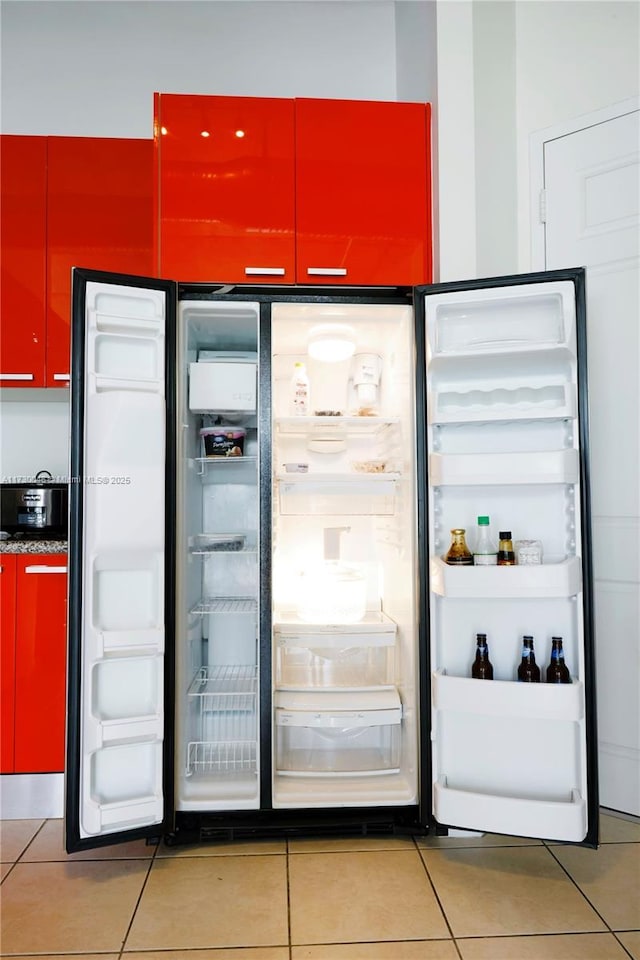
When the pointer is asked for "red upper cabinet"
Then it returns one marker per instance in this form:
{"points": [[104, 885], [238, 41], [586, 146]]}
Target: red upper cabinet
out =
{"points": [[23, 184], [7, 659], [41, 649], [225, 189], [99, 216], [363, 210]]}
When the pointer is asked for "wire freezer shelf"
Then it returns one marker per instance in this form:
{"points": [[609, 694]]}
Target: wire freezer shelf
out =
{"points": [[226, 605], [226, 704], [212, 757]]}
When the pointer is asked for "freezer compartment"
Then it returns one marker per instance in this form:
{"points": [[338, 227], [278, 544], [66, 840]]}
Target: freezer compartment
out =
{"points": [[356, 656], [334, 735]]}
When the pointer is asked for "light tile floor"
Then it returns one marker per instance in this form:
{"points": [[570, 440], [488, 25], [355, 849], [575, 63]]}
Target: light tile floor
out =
{"points": [[475, 898]]}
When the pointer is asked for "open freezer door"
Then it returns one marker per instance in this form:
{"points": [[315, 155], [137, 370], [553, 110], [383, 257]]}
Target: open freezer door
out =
{"points": [[504, 387], [120, 664]]}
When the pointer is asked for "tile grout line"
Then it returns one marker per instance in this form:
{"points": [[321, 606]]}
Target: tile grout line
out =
{"points": [[626, 949], [435, 893], [580, 890], [289, 944], [135, 909]]}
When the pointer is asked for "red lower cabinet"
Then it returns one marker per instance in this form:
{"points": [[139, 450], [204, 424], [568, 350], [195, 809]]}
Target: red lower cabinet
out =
{"points": [[7, 660], [40, 663]]}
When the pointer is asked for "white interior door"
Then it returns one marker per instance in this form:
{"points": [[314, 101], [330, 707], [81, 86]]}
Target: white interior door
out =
{"points": [[592, 184]]}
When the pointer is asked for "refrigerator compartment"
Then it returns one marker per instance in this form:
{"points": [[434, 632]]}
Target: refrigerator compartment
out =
{"points": [[338, 734], [483, 403], [504, 698], [337, 495], [543, 466], [501, 319], [560, 579], [334, 658], [551, 819], [204, 543], [127, 358]]}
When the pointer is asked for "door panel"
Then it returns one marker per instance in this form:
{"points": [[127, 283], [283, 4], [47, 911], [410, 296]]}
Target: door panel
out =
{"points": [[99, 216], [121, 556], [592, 183], [225, 188], [505, 435], [362, 192], [23, 225]]}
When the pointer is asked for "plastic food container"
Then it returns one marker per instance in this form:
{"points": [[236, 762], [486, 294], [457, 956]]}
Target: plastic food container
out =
{"points": [[370, 466], [222, 441], [528, 552]]}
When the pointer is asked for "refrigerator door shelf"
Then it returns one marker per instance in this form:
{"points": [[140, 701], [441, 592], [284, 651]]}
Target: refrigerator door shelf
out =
{"points": [[551, 466], [506, 698], [482, 403], [563, 579], [548, 819], [509, 319]]}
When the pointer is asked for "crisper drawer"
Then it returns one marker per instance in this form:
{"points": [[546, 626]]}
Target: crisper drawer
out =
{"points": [[329, 735], [357, 656]]}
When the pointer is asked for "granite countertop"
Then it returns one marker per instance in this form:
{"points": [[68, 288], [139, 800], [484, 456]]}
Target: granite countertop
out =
{"points": [[33, 546]]}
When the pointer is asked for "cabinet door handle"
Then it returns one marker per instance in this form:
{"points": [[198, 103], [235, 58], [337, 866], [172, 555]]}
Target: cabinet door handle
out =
{"points": [[327, 271], [16, 376], [62, 376], [44, 568], [267, 271]]}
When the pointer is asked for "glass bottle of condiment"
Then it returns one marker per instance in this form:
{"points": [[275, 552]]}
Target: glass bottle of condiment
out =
{"points": [[484, 552], [458, 553], [506, 554]]}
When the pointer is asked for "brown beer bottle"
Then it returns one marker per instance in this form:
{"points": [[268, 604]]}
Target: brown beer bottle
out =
{"points": [[458, 553], [557, 671], [506, 555], [482, 669], [528, 671]]}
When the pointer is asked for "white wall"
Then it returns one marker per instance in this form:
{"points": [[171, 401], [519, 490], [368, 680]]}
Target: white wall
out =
{"points": [[34, 434], [505, 71], [573, 57], [91, 68]]}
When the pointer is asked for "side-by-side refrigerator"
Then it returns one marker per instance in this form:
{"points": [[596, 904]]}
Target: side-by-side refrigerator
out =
{"points": [[265, 636]]}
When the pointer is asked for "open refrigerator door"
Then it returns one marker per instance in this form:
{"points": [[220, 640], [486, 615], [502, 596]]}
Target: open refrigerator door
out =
{"points": [[120, 697], [506, 438]]}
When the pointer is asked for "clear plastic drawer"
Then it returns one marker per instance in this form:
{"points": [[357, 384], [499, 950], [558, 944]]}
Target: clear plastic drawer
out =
{"points": [[329, 742]]}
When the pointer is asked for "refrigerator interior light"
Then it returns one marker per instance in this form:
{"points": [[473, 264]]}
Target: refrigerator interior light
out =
{"points": [[331, 342]]}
